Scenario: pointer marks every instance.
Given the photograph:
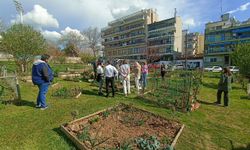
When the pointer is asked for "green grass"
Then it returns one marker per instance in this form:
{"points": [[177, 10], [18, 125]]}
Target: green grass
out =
{"points": [[209, 127]]}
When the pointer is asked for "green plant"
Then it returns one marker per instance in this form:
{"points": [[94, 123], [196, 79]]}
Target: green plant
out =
{"points": [[105, 114], [84, 135], [124, 146], [74, 114], [64, 92], [140, 122], [150, 143], [93, 120]]}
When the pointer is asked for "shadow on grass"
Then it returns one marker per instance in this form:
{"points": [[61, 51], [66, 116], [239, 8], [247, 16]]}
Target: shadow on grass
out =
{"points": [[209, 103], [20, 103], [242, 148], [90, 92], [244, 98], [65, 138], [210, 85]]}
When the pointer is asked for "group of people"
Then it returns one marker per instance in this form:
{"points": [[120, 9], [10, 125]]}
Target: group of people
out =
{"points": [[42, 76], [122, 72]]}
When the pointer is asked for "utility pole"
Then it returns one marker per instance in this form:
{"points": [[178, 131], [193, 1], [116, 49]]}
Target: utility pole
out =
{"points": [[19, 9], [186, 46]]}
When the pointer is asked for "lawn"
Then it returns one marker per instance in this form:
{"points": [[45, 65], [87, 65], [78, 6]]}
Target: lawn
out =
{"points": [[208, 128]]}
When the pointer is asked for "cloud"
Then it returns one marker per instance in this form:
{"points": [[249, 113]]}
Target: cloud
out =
{"points": [[241, 8], [39, 17], [69, 30], [51, 36], [189, 22]]}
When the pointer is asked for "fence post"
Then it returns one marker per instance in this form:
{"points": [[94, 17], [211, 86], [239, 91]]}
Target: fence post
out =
{"points": [[18, 87]]}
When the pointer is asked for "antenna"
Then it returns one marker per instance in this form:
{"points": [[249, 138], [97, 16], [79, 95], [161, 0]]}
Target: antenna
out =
{"points": [[175, 12], [19, 9]]}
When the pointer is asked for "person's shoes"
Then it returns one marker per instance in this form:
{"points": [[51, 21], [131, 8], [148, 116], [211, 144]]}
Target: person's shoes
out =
{"points": [[43, 108], [38, 106], [216, 103]]}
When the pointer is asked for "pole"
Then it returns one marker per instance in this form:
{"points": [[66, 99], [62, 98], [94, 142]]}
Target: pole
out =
{"points": [[186, 45]]}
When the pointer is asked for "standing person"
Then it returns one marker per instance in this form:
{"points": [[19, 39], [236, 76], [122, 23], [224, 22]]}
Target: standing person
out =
{"points": [[224, 86], [100, 74], [137, 72], [125, 74], [144, 71], [110, 73], [163, 71], [42, 76]]}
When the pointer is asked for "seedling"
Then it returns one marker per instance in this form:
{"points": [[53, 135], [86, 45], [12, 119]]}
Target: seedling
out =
{"points": [[93, 120]]}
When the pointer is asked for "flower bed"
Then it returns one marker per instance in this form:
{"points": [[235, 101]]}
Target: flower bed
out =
{"points": [[64, 92], [123, 127]]}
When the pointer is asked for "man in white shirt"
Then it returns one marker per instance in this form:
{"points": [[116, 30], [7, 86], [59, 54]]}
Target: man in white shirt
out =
{"points": [[110, 73], [100, 74], [125, 73]]}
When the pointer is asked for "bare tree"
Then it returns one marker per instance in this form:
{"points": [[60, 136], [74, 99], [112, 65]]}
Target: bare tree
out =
{"points": [[73, 38], [93, 37]]}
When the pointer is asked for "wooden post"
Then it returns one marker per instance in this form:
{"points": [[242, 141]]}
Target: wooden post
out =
{"points": [[18, 88]]}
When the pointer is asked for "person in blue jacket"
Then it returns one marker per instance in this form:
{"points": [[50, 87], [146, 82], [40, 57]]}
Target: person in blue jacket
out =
{"points": [[42, 76]]}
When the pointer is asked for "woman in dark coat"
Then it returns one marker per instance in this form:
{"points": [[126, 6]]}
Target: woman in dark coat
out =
{"points": [[224, 86]]}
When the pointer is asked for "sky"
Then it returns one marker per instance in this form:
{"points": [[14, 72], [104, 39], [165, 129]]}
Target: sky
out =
{"points": [[57, 17]]}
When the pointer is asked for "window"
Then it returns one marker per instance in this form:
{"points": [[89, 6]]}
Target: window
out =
{"points": [[213, 59]]}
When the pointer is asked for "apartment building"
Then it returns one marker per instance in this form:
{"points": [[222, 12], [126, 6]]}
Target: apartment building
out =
{"points": [[192, 44], [165, 38], [221, 38], [126, 37]]}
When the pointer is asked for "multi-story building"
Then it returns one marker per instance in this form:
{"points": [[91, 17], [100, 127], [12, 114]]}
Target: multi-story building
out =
{"points": [[165, 38], [126, 37], [192, 44], [221, 38]]}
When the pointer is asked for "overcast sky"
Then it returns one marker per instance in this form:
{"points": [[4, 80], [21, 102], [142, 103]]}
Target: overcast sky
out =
{"points": [[57, 17]]}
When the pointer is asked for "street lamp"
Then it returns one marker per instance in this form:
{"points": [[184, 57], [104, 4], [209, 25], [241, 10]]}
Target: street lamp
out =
{"points": [[19, 9]]}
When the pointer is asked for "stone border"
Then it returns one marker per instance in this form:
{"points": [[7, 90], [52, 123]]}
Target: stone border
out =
{"points": [[81, 146]]}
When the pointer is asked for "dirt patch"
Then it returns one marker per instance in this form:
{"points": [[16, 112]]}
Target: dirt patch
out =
{"points": [[122, 127]]}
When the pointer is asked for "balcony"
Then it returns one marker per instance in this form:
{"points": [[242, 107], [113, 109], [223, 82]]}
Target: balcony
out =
{"points": [[126, 46], [124, 39], [124, 31]]}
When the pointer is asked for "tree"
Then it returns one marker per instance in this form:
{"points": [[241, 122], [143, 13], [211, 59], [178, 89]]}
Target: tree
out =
{"points": [[87, 57], [241, 58], [93, 37], [71, 50], [23, 42], [73, 38]]}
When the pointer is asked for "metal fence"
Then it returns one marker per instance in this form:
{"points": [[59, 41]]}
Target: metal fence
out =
{"points": [[9, 86], [178, 90]]}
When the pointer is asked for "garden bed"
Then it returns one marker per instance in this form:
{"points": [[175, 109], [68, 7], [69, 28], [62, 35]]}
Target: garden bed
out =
{"points": [[123, 127], [65, 92]]}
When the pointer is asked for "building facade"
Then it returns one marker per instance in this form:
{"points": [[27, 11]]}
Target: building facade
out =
{"points": [[192, 44], [221, 38], [165, 38], [126, 37]]}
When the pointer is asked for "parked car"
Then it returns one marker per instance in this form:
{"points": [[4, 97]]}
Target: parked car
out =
{"points": [[213, 69], [234, 69]]}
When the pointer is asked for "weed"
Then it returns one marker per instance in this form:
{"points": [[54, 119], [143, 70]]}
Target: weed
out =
{"points": [[93, 120]]}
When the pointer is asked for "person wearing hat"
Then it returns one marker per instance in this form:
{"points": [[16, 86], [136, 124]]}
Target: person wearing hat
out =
{"points": [[42, 76]]}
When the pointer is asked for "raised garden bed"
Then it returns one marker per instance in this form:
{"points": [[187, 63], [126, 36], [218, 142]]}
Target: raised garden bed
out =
{"points": [[64, 92], [123, 127]]}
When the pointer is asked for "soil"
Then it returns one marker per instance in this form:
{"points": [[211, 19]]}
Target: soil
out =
{"points": [[122, 125]]}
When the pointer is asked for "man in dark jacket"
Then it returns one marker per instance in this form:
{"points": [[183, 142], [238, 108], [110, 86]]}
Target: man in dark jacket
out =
{"points": [[42, 76]]}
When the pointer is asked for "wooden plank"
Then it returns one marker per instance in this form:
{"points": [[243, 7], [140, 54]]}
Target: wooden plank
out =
{"points": [[177, 136], [73, 138], [77, 96]]}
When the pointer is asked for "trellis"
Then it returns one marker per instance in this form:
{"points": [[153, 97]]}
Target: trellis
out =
{"points": [[179, 90], [9, 85]]}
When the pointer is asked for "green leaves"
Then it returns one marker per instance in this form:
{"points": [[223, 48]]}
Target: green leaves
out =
{"points": [[241, 58]]}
